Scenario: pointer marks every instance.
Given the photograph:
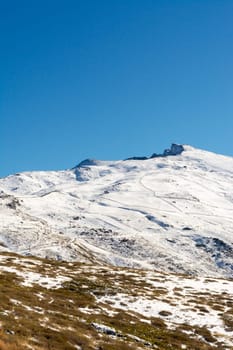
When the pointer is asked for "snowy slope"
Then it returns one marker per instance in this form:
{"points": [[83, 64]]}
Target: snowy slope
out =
{"points": [[170, 212]]}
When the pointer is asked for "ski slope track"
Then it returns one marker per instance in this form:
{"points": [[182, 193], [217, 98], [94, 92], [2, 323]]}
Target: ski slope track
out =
{"points": [[171, 212]]}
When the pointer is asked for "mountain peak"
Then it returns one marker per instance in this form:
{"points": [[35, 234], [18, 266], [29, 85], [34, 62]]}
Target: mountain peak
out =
{"points": [[174, 150], [87, 162]]}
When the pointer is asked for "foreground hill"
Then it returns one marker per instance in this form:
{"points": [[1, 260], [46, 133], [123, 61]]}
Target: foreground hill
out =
{"points": [[46, 304]]}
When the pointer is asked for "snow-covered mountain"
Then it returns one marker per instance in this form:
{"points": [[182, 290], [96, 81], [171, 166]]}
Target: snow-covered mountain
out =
{"points": [[172, 211]]}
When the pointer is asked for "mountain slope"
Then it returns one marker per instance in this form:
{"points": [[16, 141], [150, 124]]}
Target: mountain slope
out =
{"points": [[45, 304], [172, 212]]}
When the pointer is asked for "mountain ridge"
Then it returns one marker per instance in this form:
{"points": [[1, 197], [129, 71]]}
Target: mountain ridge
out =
{"points": [[136, 213]]}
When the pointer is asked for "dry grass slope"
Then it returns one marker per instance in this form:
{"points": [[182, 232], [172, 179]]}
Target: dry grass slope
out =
{"points": [[45, 304]]}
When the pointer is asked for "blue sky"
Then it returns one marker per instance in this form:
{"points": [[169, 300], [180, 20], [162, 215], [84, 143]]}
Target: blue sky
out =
{"points": [[112, 79]]}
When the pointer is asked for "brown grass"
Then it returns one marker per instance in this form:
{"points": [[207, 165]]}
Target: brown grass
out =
{"points": [[57, 320]]}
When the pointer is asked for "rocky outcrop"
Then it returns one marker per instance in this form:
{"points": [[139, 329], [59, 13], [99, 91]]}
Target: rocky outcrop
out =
{"points": [[173, 151]]}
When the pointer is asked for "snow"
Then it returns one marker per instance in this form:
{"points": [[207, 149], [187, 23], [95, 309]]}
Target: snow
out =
{"points": [[29, 278], [139, 213], [180, 308]]}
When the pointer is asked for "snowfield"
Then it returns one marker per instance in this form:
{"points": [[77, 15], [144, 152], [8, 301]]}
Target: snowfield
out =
{"points": [[172, 213]]}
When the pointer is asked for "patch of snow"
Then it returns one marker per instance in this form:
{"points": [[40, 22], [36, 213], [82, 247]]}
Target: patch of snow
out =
{"points": [[30, 278]]}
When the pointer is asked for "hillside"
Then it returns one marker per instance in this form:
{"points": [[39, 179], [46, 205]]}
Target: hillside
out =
{"points": [[46, 304], [172, 212]]}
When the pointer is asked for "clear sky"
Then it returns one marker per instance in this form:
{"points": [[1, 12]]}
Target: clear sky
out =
{"points": [[109, 79]]}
